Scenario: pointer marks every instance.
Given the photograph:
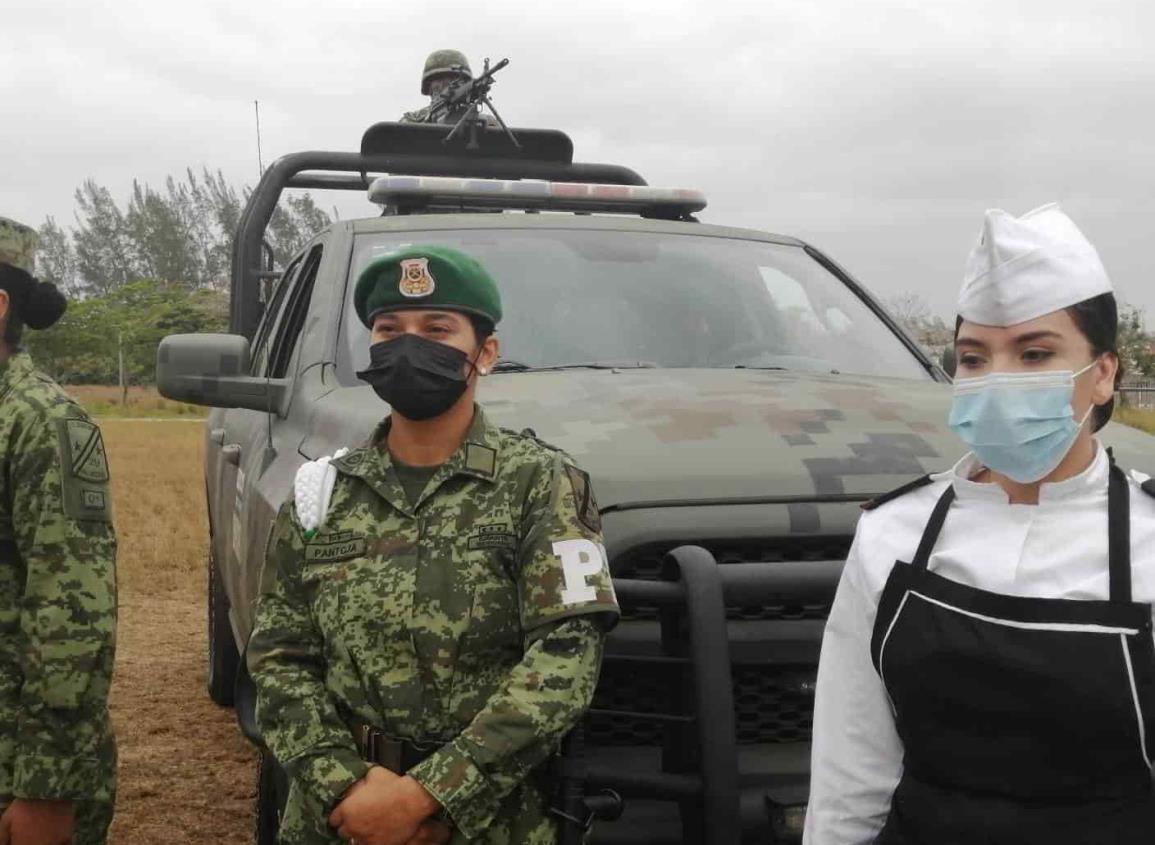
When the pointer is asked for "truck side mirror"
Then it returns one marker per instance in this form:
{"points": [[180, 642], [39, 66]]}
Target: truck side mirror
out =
{"points": [[949, 361], [213, 370]]}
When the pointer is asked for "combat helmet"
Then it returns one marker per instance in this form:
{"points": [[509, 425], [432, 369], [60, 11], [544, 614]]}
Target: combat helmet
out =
{"points": [[444, 61]]}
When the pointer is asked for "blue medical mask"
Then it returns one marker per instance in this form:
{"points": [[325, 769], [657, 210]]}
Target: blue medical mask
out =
{"points": [[1020, 425]]}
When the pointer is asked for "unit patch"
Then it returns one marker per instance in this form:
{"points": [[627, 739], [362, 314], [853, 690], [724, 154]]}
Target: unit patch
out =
{"points": [[84, 471], [583, 496], [87, 460], [496, 535], [330, 548], [416, 280]]}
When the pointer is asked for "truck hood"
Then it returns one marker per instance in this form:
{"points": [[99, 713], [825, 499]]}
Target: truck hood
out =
{"points": [[657, 437]]}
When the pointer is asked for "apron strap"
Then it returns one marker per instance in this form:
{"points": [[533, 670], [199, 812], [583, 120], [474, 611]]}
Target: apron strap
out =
{"points": [[1119, 534], [933, 528]]}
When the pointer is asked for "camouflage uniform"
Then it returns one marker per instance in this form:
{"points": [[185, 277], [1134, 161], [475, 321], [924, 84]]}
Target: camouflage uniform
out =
{"points": [[57, 601], [473, 620]]}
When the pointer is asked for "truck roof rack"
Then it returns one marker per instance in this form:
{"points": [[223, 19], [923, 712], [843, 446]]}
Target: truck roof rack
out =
{"points": [[396, 148]]}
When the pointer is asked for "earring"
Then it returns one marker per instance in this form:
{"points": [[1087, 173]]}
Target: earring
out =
{"points": [[485, 371]]}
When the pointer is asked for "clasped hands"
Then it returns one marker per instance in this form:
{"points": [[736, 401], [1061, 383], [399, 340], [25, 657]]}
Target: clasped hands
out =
{"points": [[37, 822], [384, 808]]}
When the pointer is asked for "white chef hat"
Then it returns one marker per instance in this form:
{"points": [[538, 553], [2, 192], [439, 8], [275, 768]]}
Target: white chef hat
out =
{"points": [[1025, 267]]}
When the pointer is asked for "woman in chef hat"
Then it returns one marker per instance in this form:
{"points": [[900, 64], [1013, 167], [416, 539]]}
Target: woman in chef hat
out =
{"points": [[987, 672]]}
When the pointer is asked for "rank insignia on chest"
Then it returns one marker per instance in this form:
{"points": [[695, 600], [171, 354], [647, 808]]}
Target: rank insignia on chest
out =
{"points": [[334, 546], [416, 280], [497, 535]]}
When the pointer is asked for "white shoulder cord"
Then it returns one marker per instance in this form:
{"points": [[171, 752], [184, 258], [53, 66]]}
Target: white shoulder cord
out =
{"points": [[312, 489]]}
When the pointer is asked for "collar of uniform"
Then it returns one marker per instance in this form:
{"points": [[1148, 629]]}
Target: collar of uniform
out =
{"points": [[14, 370], [1091, 481], [478, 454]]}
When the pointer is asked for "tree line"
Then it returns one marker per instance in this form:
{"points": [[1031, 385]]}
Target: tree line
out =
{"points": [[156, 264], [178, 234]]}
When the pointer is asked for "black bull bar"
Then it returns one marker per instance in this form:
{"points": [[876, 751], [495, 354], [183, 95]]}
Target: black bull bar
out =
{"points": [[692, 600]]}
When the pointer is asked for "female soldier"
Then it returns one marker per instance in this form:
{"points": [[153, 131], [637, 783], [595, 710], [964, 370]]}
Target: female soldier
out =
{"points": [[434, 602], [996, 684], [57, 585]]}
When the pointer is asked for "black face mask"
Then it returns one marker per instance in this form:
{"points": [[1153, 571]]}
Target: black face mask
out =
{"points": [[419, 378]]}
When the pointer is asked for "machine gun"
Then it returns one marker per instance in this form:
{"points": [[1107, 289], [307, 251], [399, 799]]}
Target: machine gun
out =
{"points": [[470, 95]]}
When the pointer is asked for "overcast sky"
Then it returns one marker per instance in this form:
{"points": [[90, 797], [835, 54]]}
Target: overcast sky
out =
{"points": [[879, 131]]}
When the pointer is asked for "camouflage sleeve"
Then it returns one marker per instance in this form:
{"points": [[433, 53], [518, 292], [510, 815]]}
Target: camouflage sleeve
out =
{"points": [[286, 659], [563, 567], [61, 512], [520, 726]]}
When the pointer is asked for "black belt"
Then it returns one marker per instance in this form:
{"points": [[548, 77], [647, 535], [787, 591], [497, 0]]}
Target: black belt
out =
{"points": [[395, 754]]}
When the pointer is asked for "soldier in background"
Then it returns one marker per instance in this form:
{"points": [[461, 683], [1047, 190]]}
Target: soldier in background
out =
{"points": [[442, 69], [57, 585]]}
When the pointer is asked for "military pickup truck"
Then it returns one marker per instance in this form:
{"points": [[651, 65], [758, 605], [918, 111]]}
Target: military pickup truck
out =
{"points": [[734, 395]]}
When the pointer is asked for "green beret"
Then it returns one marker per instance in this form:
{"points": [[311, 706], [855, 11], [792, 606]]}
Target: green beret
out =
{"points": [[426, 277]]}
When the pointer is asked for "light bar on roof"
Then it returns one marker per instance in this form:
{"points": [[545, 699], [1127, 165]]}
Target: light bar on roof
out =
{"points": [[533, 194]]}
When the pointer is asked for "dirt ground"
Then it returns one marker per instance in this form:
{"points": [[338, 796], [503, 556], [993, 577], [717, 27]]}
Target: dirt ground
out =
{"points": [[186, 774]]}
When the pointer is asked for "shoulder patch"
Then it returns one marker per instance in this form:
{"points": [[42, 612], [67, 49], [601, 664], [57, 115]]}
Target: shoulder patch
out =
{"points": [[584, 501], [897, 492], [84, 471], [481, 459], [85, 446]]}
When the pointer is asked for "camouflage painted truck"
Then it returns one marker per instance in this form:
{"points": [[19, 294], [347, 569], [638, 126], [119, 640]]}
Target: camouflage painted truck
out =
{"points": [[734, 394]]}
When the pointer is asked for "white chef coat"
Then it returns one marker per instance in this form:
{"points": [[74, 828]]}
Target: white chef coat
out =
{"points": [[1055, 549]]}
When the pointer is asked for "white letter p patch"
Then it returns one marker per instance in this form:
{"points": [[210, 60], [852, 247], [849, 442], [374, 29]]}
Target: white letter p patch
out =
{"points": [[580, 559]]}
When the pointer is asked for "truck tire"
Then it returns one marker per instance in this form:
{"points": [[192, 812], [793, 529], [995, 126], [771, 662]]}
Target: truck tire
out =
{"points": [[223, 658], [270, 799]]}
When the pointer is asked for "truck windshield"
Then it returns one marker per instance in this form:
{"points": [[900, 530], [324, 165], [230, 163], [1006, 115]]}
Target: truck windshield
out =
{"points": [[590, 297]]}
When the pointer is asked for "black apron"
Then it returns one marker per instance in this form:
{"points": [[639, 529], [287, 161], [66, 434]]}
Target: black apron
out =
{"points": [[1023, 720]]}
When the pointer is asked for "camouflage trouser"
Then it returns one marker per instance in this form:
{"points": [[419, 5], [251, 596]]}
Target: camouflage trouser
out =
{"points": [[92, 821]]}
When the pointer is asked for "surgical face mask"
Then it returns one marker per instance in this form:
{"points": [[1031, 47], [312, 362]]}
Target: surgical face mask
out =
{"points": [[1020, 425], [419, 378]]}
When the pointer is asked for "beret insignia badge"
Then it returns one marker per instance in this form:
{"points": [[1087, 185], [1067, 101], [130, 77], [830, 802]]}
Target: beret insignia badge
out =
{"points": [[416, 280]]}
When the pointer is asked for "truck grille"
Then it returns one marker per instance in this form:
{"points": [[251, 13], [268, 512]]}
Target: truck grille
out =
{"points": [[772, 706], [642, 703]]}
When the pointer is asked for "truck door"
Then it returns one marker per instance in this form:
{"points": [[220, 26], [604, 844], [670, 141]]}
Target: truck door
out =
{"points": [[228, 443], [269, 458]]}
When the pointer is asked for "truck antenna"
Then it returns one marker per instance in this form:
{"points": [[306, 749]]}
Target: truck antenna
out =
{"points": [[260, 161]]}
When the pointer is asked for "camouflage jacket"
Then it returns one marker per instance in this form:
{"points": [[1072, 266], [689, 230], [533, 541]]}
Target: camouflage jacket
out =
{"points": [[473, 621], [57, 596]]}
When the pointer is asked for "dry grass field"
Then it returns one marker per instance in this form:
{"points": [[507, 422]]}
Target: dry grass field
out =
{"points": [[186, 774], [105, 401], [1136, 417]]}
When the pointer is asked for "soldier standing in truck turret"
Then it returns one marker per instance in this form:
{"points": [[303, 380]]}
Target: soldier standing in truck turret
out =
{"points": [[442, 69], [57, 585]]}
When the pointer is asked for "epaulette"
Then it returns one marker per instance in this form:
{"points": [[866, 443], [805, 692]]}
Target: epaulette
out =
{"points": [[880, 500]]}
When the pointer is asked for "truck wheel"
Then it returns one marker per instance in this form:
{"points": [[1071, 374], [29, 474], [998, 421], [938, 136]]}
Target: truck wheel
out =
{"points": [[270, 799], [223, 657]]}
